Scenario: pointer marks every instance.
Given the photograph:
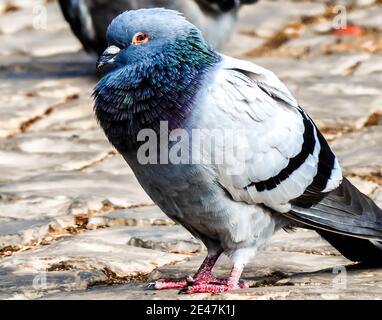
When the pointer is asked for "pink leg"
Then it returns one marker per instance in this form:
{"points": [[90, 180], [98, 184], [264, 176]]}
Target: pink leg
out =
{"points": [[203, 275], [233, 282]]}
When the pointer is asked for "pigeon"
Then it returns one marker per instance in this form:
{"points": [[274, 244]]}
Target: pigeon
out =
{"points": [[164, 91], [89, 19]]}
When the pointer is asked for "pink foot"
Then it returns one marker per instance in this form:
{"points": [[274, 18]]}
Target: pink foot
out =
{"points": [[203, 276], [213, 288], [164, 284], [203, 281], [219, 281], [232, 283], [210, 280]]}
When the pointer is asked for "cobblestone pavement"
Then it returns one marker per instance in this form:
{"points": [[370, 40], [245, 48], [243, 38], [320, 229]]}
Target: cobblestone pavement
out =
{"points": [[74, 223]]}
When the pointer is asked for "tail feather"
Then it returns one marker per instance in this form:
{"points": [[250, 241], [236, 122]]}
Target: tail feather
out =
{"points": [[349, 220], [344, 210], [355, 249]]}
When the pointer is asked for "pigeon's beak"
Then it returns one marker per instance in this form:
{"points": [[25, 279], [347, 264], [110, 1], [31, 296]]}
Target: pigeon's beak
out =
{"points": [[107, 59]]}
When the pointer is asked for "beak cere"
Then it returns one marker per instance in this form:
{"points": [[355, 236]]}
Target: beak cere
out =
{"points": [[107, 58]]}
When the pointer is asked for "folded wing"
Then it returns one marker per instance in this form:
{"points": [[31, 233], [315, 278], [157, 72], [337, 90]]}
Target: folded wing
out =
{"points": [[292, 168]]}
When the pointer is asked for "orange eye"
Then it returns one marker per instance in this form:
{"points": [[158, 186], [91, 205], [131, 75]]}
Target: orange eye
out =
{"points": [[140, 38]]}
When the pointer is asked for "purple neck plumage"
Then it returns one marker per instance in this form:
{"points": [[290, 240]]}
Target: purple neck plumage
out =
{"points": [[138, 97]]}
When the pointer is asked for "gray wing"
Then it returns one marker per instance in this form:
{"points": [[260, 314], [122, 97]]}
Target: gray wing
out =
{"points": [[320, 198]]}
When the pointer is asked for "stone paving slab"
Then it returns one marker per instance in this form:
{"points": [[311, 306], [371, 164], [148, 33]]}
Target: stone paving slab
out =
{"points": [[300, 241], [33, 285], [308, 44], [133, 292], [25, 100], [271, 271], [306, 291], [173, 239], [21, 4], [360, 152], [88, 253], [133, 217], [61, 198], [272, 266], [369, 17], [74, 222], [71, 116], [28, 17], [352, 101], [61, 65], [32, 154], [22, 232], [241, 44], [113, 164], [370, 67], [121, 191], [255, 19], [51, 43], [338, 64]]}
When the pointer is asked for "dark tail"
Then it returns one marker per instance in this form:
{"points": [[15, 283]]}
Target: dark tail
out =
{"points": [[349, 220], [355, 249]]}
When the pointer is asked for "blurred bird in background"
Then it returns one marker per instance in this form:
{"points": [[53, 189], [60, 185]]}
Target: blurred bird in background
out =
{"points": [[89, 19]]}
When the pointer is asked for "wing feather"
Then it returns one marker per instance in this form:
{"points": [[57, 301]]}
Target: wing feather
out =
{"points": [[291, 167], [277, 167]]}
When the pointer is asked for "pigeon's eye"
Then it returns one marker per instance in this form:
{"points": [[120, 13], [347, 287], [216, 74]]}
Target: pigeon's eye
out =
{"points": [[140, 38]]}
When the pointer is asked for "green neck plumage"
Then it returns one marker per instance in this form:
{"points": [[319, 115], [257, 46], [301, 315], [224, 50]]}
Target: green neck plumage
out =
{"points": [[162, 88]]}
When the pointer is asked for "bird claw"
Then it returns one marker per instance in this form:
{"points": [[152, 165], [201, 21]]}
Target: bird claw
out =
{"points": [[151, 285], [206, 288], [202, 283], [212, 287], [168, 284]]}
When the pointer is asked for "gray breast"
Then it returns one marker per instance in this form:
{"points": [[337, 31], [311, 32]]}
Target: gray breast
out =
{"points": [[190, 195]]}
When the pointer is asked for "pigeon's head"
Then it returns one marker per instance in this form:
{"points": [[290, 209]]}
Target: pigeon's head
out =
{"points": [[147, 36], [152, 71]]}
